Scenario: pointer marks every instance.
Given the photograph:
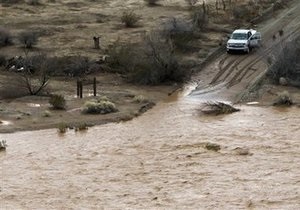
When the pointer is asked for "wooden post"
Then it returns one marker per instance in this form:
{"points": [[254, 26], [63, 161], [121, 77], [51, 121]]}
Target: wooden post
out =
{"points": [[95, 86], [80, 89], [96, 42]]}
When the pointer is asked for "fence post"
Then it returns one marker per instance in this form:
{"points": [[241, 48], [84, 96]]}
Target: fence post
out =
{"points": [[95, 86], [80, 89]]}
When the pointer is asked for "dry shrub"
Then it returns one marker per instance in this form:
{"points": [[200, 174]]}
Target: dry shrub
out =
{"points": [[217, 108], [81, 127], [62, 127], [99, 107], [8, 2], [283, 99], [151, 2], [5, 37], [34, 2], [179, 32], [140, 99], [287, 64], [57, 102], [130, 18], [28, 39], [191, 3], [241, 12], [150, 62], [2, 60]]}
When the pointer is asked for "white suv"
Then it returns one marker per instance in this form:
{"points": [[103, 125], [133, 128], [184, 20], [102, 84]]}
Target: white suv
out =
{"points": [[243, 40]]}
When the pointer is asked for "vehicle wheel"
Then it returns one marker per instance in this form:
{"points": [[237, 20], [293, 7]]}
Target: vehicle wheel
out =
{"points": [[248, 50]]}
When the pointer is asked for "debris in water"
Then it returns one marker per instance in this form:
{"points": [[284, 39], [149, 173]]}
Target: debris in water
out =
{"points": [[283, 99], [242, 151], [252, 103], [3, 145], [216, 108], [212, 146]]}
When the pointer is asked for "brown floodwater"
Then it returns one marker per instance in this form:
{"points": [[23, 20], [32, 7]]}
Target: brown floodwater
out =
{"points": [[158, 161]]}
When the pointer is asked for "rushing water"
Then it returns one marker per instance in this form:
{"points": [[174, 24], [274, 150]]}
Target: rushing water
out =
{"points": [[158, 161]]}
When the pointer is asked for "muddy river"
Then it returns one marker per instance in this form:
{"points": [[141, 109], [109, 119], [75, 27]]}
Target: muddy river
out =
{"points": [[158, 161]]}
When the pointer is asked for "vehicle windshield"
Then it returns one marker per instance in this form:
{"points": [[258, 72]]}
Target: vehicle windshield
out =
{"points": [[239, 36]]}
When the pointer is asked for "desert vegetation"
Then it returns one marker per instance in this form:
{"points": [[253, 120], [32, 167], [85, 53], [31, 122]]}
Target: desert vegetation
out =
{"points": [[147, 43], [101, 106], [286, 64], [57, 102]]}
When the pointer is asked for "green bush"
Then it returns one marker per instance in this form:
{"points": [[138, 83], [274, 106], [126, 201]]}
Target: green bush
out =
{"points": [[57, 102], [98, 107], [130, 19]]}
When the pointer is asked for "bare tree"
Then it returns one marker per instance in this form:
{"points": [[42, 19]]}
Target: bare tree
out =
{"points": [[32, 75]]}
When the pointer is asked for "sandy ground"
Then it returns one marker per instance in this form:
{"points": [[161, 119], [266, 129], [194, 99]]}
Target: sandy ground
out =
{"points": [[71, 34], [66, 28]]}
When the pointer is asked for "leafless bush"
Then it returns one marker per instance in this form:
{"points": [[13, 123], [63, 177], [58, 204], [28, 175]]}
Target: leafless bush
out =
{"points": [[150, 62], [28, 39], [30, 75], [151, 2], [287, 64], [199, 17], [122, 56], [180, 32], [5, 37], [34, 2], [10, 1], [192, 3], [2, 60], [77, 67], [241, 12], [130, 19]]}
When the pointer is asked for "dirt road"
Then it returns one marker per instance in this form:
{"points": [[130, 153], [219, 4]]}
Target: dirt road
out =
{"points": [[230, 74]]}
